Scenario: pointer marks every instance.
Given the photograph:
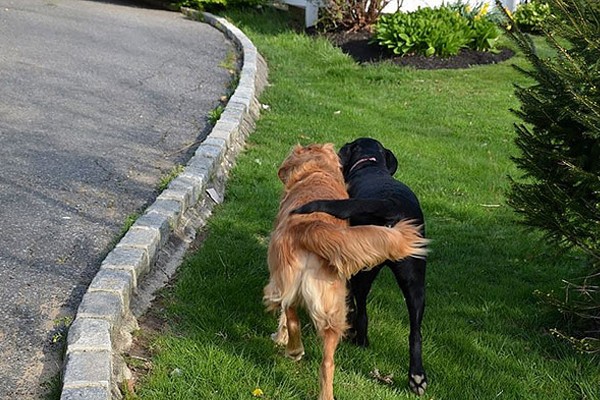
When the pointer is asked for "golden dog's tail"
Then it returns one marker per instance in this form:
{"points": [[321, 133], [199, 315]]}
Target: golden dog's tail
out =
{"points": [[351, 249]]}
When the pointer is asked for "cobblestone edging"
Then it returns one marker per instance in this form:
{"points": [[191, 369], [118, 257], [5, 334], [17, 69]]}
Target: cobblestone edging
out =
{"points": [[93, 366]]}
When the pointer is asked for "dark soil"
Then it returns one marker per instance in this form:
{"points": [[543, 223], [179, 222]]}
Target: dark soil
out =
{"points": [[358, 46]]}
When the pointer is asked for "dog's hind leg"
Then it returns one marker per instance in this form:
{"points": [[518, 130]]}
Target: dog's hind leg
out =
{"points": [[360, 286], [281, 336], [410, 275], [325, 298], [294, 348], [331, 339]]}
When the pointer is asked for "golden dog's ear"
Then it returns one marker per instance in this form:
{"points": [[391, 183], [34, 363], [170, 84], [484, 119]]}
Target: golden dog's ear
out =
{"points": [[288, 164], [283, 173], [329, 147], [330, 151]]}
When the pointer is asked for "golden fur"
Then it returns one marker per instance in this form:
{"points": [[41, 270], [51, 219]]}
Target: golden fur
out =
{"points": [[310, 256]]}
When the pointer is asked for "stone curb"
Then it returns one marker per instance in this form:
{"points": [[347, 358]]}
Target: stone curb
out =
{"points": [[93, 368]]}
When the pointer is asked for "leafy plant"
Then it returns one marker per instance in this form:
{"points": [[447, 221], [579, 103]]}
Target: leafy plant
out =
{"points": [[471, 11], [559, 139], [215, 114], [128, 223], [164, 182], [61, 326], [484, 34], [441, 31], [532, 16], [483, 22]]}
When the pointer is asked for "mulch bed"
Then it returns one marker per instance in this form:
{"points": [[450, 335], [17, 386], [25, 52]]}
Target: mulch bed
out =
{"points": [[358, 46]]}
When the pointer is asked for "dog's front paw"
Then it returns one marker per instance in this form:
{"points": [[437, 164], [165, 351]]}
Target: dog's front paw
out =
{"points": [[360, 340], [418, 383]]}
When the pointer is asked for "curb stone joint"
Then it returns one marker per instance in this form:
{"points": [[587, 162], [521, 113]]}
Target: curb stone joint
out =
{"points": [[102, 328]]}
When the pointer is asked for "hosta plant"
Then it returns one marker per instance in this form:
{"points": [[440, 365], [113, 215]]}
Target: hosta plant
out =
{"points": [[532, 16], [440, 31]]}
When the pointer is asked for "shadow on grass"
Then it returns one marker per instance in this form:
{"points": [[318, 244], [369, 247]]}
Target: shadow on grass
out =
{"points": [[481, 321], [484, 333]]}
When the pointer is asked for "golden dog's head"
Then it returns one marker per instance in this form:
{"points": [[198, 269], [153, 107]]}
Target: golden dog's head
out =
{"points": [[304, 160]]}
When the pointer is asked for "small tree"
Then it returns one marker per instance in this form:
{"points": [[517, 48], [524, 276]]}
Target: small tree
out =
{"points": [[559, 141]]}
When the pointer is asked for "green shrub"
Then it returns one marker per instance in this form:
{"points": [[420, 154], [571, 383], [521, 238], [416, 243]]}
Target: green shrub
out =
{"points": [[441, 31], [483, 22], [471, 12], [532, 16], [559, 139], [484, 34]]}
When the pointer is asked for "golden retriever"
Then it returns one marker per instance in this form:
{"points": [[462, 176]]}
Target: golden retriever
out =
{"points": [[310, 256]]}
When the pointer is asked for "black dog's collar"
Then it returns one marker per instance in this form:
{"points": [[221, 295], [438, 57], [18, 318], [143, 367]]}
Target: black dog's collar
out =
{"points": [[362, 160]]}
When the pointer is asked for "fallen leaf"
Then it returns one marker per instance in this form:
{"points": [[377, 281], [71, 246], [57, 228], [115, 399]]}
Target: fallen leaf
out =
{"points": [[386, 379], [214, 195]]}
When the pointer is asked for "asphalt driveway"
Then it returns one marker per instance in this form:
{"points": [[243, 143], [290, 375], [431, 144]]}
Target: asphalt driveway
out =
{"points": [[98, 100]]}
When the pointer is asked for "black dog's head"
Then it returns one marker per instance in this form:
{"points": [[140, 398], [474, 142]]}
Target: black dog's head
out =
{"points": [[364, 151]]}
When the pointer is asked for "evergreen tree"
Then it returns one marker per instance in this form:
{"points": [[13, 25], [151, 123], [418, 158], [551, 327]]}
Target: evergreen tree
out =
{"points": [[559, 140]]}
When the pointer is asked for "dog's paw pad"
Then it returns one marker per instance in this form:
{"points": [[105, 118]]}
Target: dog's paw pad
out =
{"points": [[418, 384], [295, 355], [360, 341]]}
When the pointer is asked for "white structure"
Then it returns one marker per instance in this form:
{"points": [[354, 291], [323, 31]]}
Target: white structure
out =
{"points": [[311, 10], [311, 7]]}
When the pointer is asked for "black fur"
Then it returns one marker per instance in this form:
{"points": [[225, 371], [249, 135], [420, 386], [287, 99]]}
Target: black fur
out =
{"points": [[376, 198]]}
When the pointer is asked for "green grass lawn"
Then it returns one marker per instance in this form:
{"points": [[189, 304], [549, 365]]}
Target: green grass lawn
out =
{"points": [[485, 335]]}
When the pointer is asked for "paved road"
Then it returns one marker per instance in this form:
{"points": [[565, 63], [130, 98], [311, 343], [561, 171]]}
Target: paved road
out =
{"points": [[96, 100]]}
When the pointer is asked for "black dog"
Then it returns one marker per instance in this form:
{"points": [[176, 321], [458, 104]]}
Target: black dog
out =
{"points": [[376, 198]]}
